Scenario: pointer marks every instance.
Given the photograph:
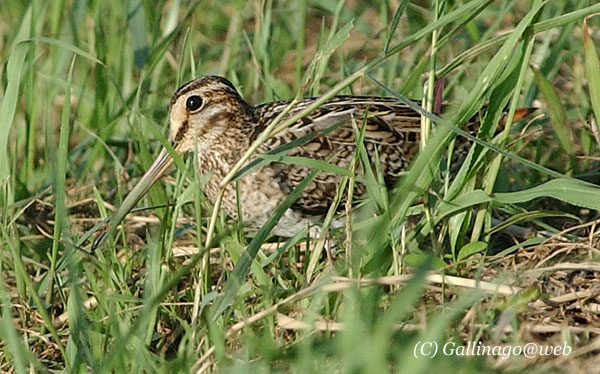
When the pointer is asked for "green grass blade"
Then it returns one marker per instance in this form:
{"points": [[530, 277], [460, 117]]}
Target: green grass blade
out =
{"points": [[592, 69], [470, 249], [310, 162], [567, 190], [68, 47], [61, 214], [575, 193], [14, 71], [528, 216], [395, 20]]}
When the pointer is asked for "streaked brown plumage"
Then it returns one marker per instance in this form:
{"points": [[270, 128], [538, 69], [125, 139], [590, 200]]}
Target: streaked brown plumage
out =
{"points": [[209, 116], [392, 129]]}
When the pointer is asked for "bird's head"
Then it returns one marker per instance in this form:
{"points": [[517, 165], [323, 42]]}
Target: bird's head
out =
{"points": [[202, 112]]}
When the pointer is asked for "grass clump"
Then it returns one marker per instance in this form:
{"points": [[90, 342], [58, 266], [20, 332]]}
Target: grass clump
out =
{"points": [[501, 251]]}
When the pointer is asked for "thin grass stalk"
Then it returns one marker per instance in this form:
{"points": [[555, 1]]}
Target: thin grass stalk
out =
{"points": [[348, 209], [61, 173], [429, 90], [320, 244], [425, 121]]}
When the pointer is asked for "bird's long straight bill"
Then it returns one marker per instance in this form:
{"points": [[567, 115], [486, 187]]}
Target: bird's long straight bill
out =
{"points": [[154, 172]]}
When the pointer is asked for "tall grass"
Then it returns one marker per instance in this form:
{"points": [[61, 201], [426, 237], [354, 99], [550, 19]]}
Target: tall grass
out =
{"points": [[84, 93]]}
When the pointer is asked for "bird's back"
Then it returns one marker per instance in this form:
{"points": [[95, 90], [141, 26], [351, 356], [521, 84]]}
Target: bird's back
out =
{"points": [[392, 135]]}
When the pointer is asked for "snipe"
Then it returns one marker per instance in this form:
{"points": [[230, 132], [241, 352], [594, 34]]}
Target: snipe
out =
{"points": [[208, 116]]}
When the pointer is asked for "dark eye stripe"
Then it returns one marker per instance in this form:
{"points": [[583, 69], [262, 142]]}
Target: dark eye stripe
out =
{"points": [[182, 130]]}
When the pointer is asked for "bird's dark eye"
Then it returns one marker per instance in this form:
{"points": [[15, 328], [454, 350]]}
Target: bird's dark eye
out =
{"points": [[193, 102]]}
